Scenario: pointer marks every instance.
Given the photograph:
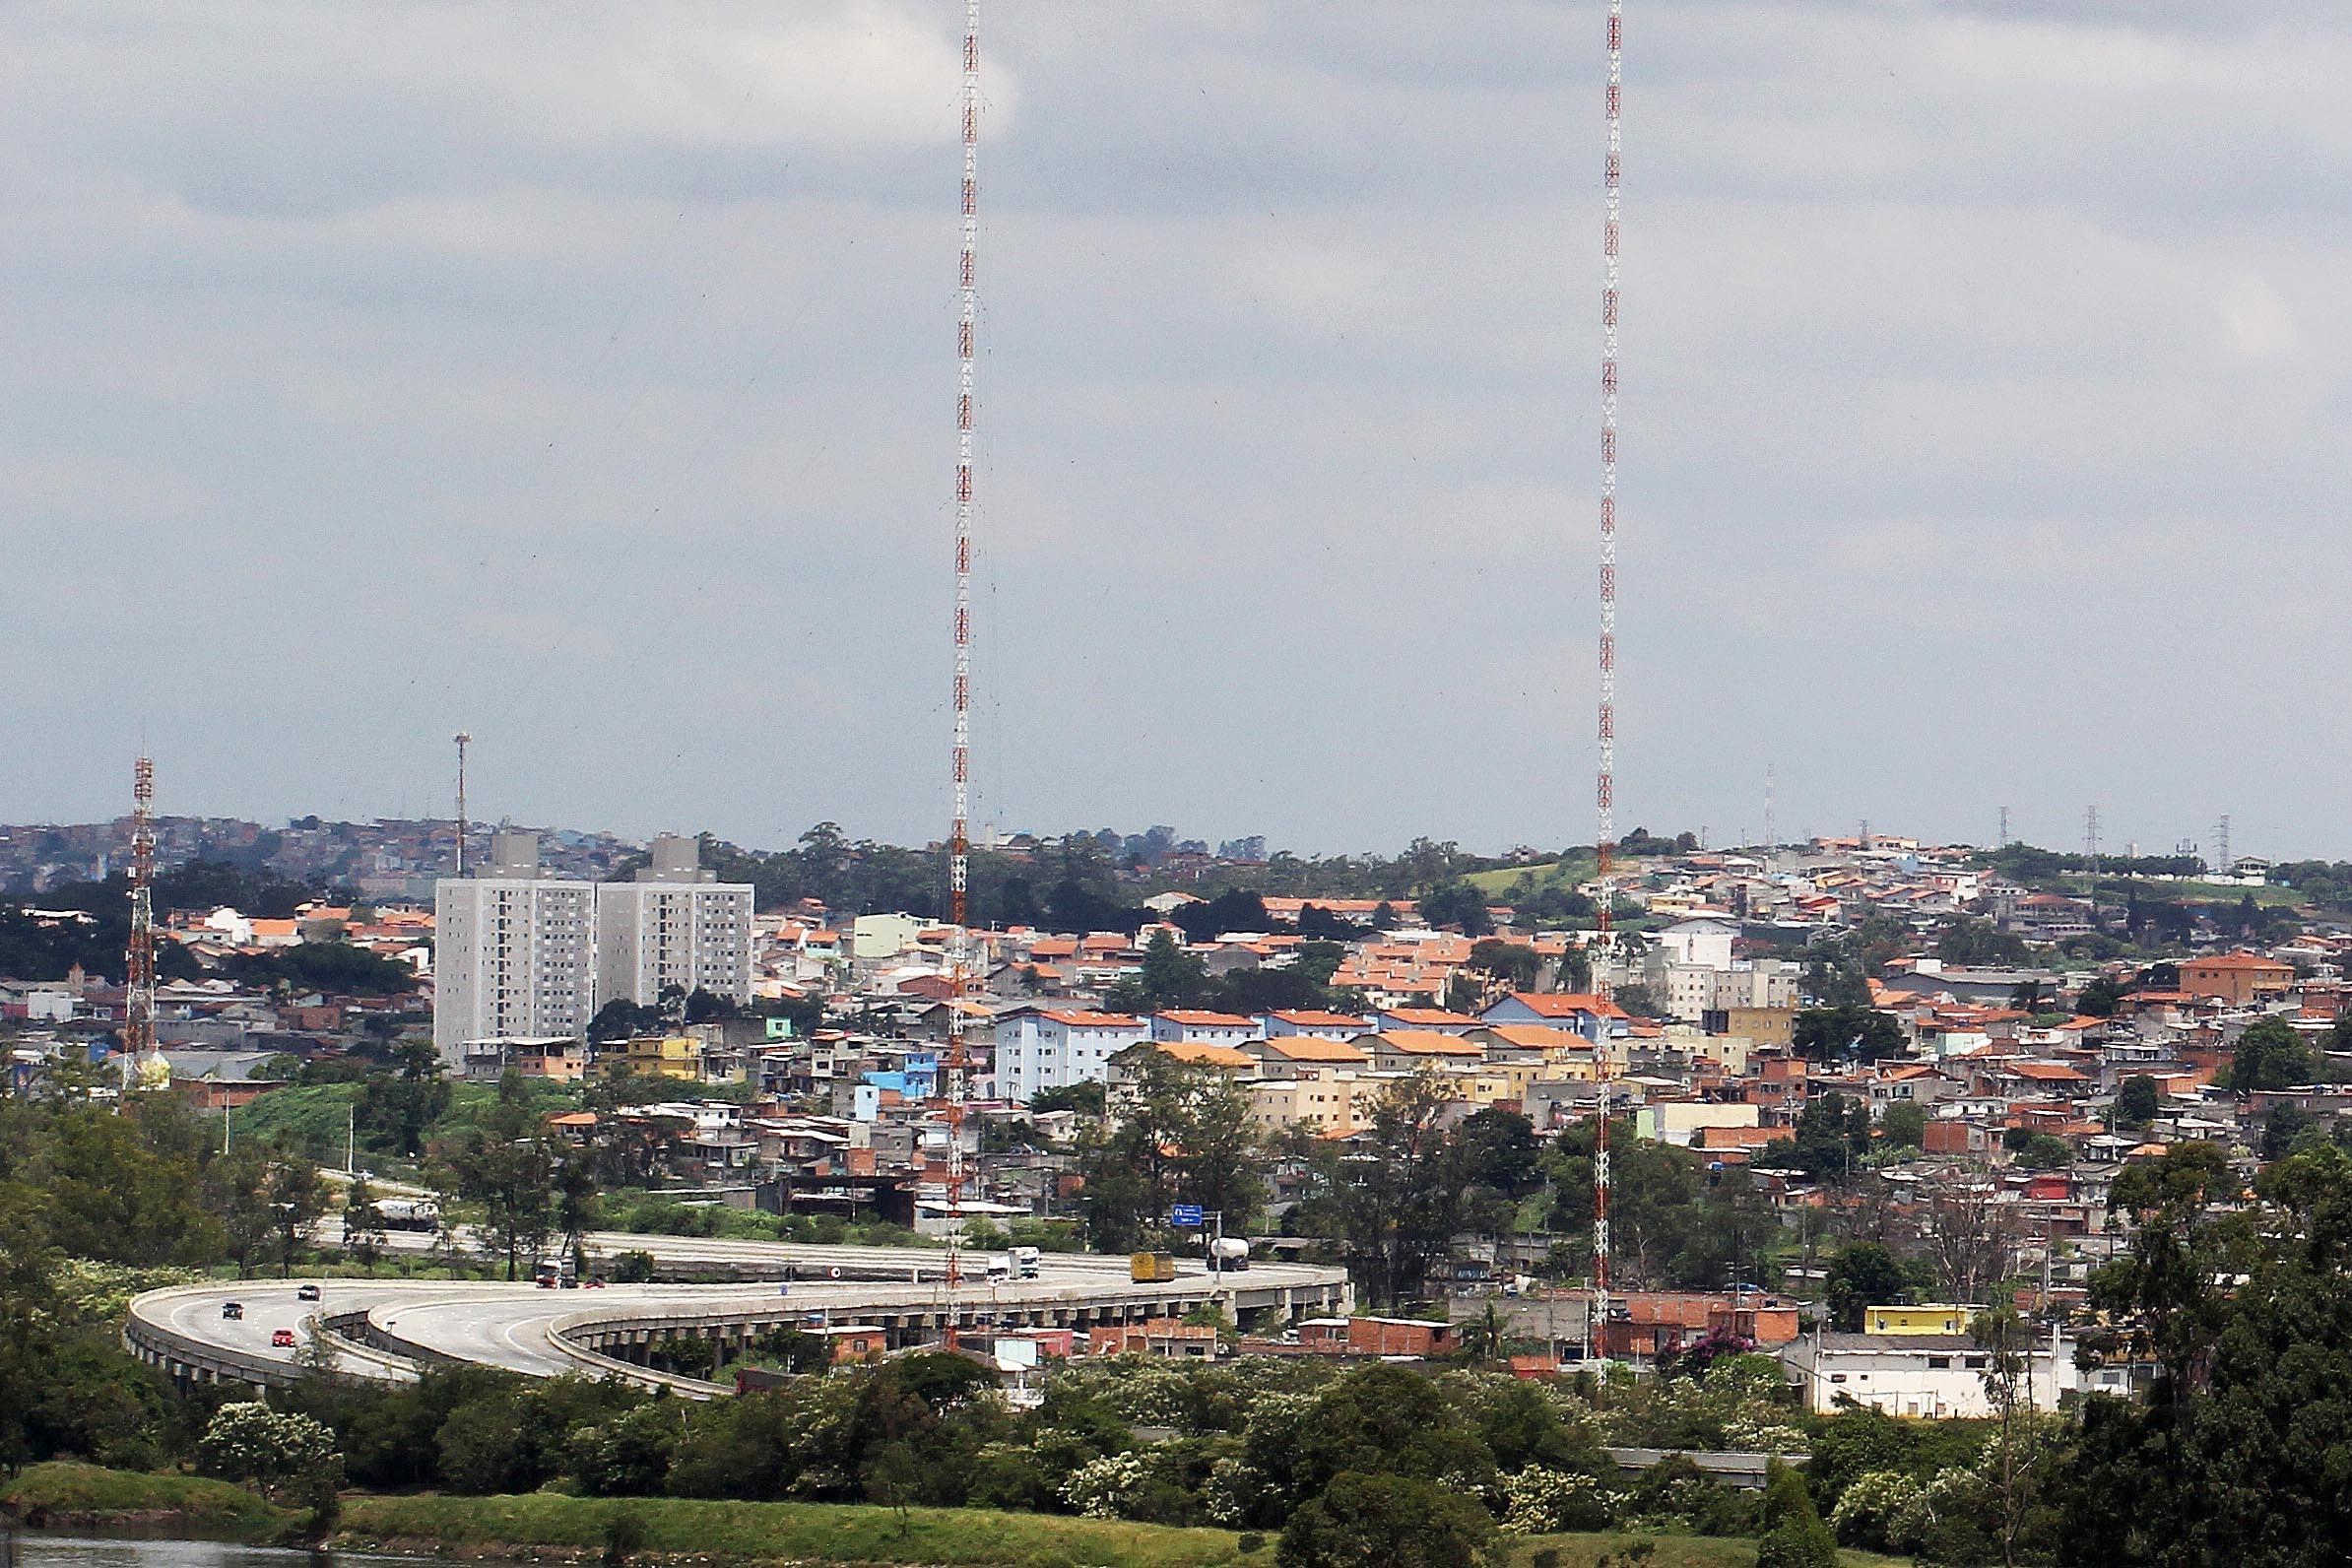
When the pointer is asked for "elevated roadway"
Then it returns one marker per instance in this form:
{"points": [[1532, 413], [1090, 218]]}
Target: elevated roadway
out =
{"points": [[392, 1330]]}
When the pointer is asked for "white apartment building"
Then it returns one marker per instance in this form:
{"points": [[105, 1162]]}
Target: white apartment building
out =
{"points": [[1691, 991], [1038, 1048], [676, 925], [513, 952]]}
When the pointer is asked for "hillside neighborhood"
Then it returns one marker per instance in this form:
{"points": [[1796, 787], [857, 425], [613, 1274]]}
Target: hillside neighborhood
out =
{"points": [[1861, 1037]]}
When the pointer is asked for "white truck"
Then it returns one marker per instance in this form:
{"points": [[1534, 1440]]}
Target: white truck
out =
{"points": [[1229, 1255], [1020, 1263]]}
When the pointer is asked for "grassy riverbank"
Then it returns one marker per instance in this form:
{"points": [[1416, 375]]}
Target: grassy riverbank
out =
{"points": [[65, 1496], [547, 1525], [779, 1531], [576, 1528]]}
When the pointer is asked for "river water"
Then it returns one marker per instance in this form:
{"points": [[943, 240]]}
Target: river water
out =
{"points": [[69, 1551]]}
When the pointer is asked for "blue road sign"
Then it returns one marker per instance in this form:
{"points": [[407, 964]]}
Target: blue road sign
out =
{"points": [[1185, 1216]]}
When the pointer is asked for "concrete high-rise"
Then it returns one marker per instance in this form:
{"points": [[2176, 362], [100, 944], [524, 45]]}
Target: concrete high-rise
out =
{"points": [[513, 951], [676, 925]]}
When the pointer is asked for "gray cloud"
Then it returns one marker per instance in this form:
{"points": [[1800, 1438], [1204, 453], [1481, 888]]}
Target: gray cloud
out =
{"points": [[583, 378]]}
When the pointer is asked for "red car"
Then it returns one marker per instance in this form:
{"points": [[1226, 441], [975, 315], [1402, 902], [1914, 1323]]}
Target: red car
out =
{"points": [[282, 1339]]}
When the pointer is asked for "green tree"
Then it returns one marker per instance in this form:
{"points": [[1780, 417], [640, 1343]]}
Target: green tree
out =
{"points": [[1513, 965], [1394, 1198], [398, 1107], [273, 1450], [295, 1195], [363, 1228], [1384, 1521], [2034, 1151], [1831, 1134], [506, 1165], [1847, 1033], [577, 1206], [1864, 1273], [2013, 1457], [235, 1191], [1182, 1135], [1794, 1535], [1904, 1124], [2136, 1101], [112, 1197], [2272, 1056], [1456, 903], [1385, 1419], [2099, 998], [1172, 977]]}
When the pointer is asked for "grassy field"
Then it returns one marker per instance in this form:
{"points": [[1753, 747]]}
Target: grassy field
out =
{"points": [[1544, 874], [84, 1496], [2194, 891], [803, 1532], [834, 1533]]}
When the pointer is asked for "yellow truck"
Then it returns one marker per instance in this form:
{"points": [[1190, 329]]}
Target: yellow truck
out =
{"points": [[1153, 1268]]}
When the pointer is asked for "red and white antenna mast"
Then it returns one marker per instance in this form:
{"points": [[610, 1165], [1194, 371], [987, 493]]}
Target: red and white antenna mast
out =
{"points": [[956, 1069], [139, 961], [1605, 837]]}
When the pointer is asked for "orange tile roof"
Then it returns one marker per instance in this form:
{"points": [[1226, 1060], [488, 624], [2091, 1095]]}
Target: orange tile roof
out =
{"points": [[1192, 1019], [1538, 1037], [1428, 1042], [1081, 1018], [1426, 1015], [1312, 1048], [1201, 1054]]}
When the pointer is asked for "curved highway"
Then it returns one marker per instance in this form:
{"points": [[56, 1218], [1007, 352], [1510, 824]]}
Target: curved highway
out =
{"points": [[391, 1330]]}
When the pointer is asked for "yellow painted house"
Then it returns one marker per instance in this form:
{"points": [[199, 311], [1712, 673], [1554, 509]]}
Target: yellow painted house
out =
{"points": [[670, 1056], [1943, 1318]]}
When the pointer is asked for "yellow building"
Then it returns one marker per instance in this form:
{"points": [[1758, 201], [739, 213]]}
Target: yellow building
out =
{"points": [[1943, 1318], [670, 1056], [1761, 1025], [1317, 1101]]}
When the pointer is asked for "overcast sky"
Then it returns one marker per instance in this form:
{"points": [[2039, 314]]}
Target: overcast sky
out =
{"points": [[582, 377]]}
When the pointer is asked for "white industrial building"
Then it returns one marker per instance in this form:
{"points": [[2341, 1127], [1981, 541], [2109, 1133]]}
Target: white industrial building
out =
{"points": [[676, 925], [513, 951], [1938, 1377]]}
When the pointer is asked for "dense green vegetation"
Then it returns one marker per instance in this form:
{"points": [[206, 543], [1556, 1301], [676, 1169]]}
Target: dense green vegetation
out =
{"points": [[63, 1494]]}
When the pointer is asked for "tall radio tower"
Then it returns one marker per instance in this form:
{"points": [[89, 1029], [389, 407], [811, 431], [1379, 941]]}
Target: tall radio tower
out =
{"points": [[139, 961], [956, 1069], [463, 741], [1605, 838]]}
